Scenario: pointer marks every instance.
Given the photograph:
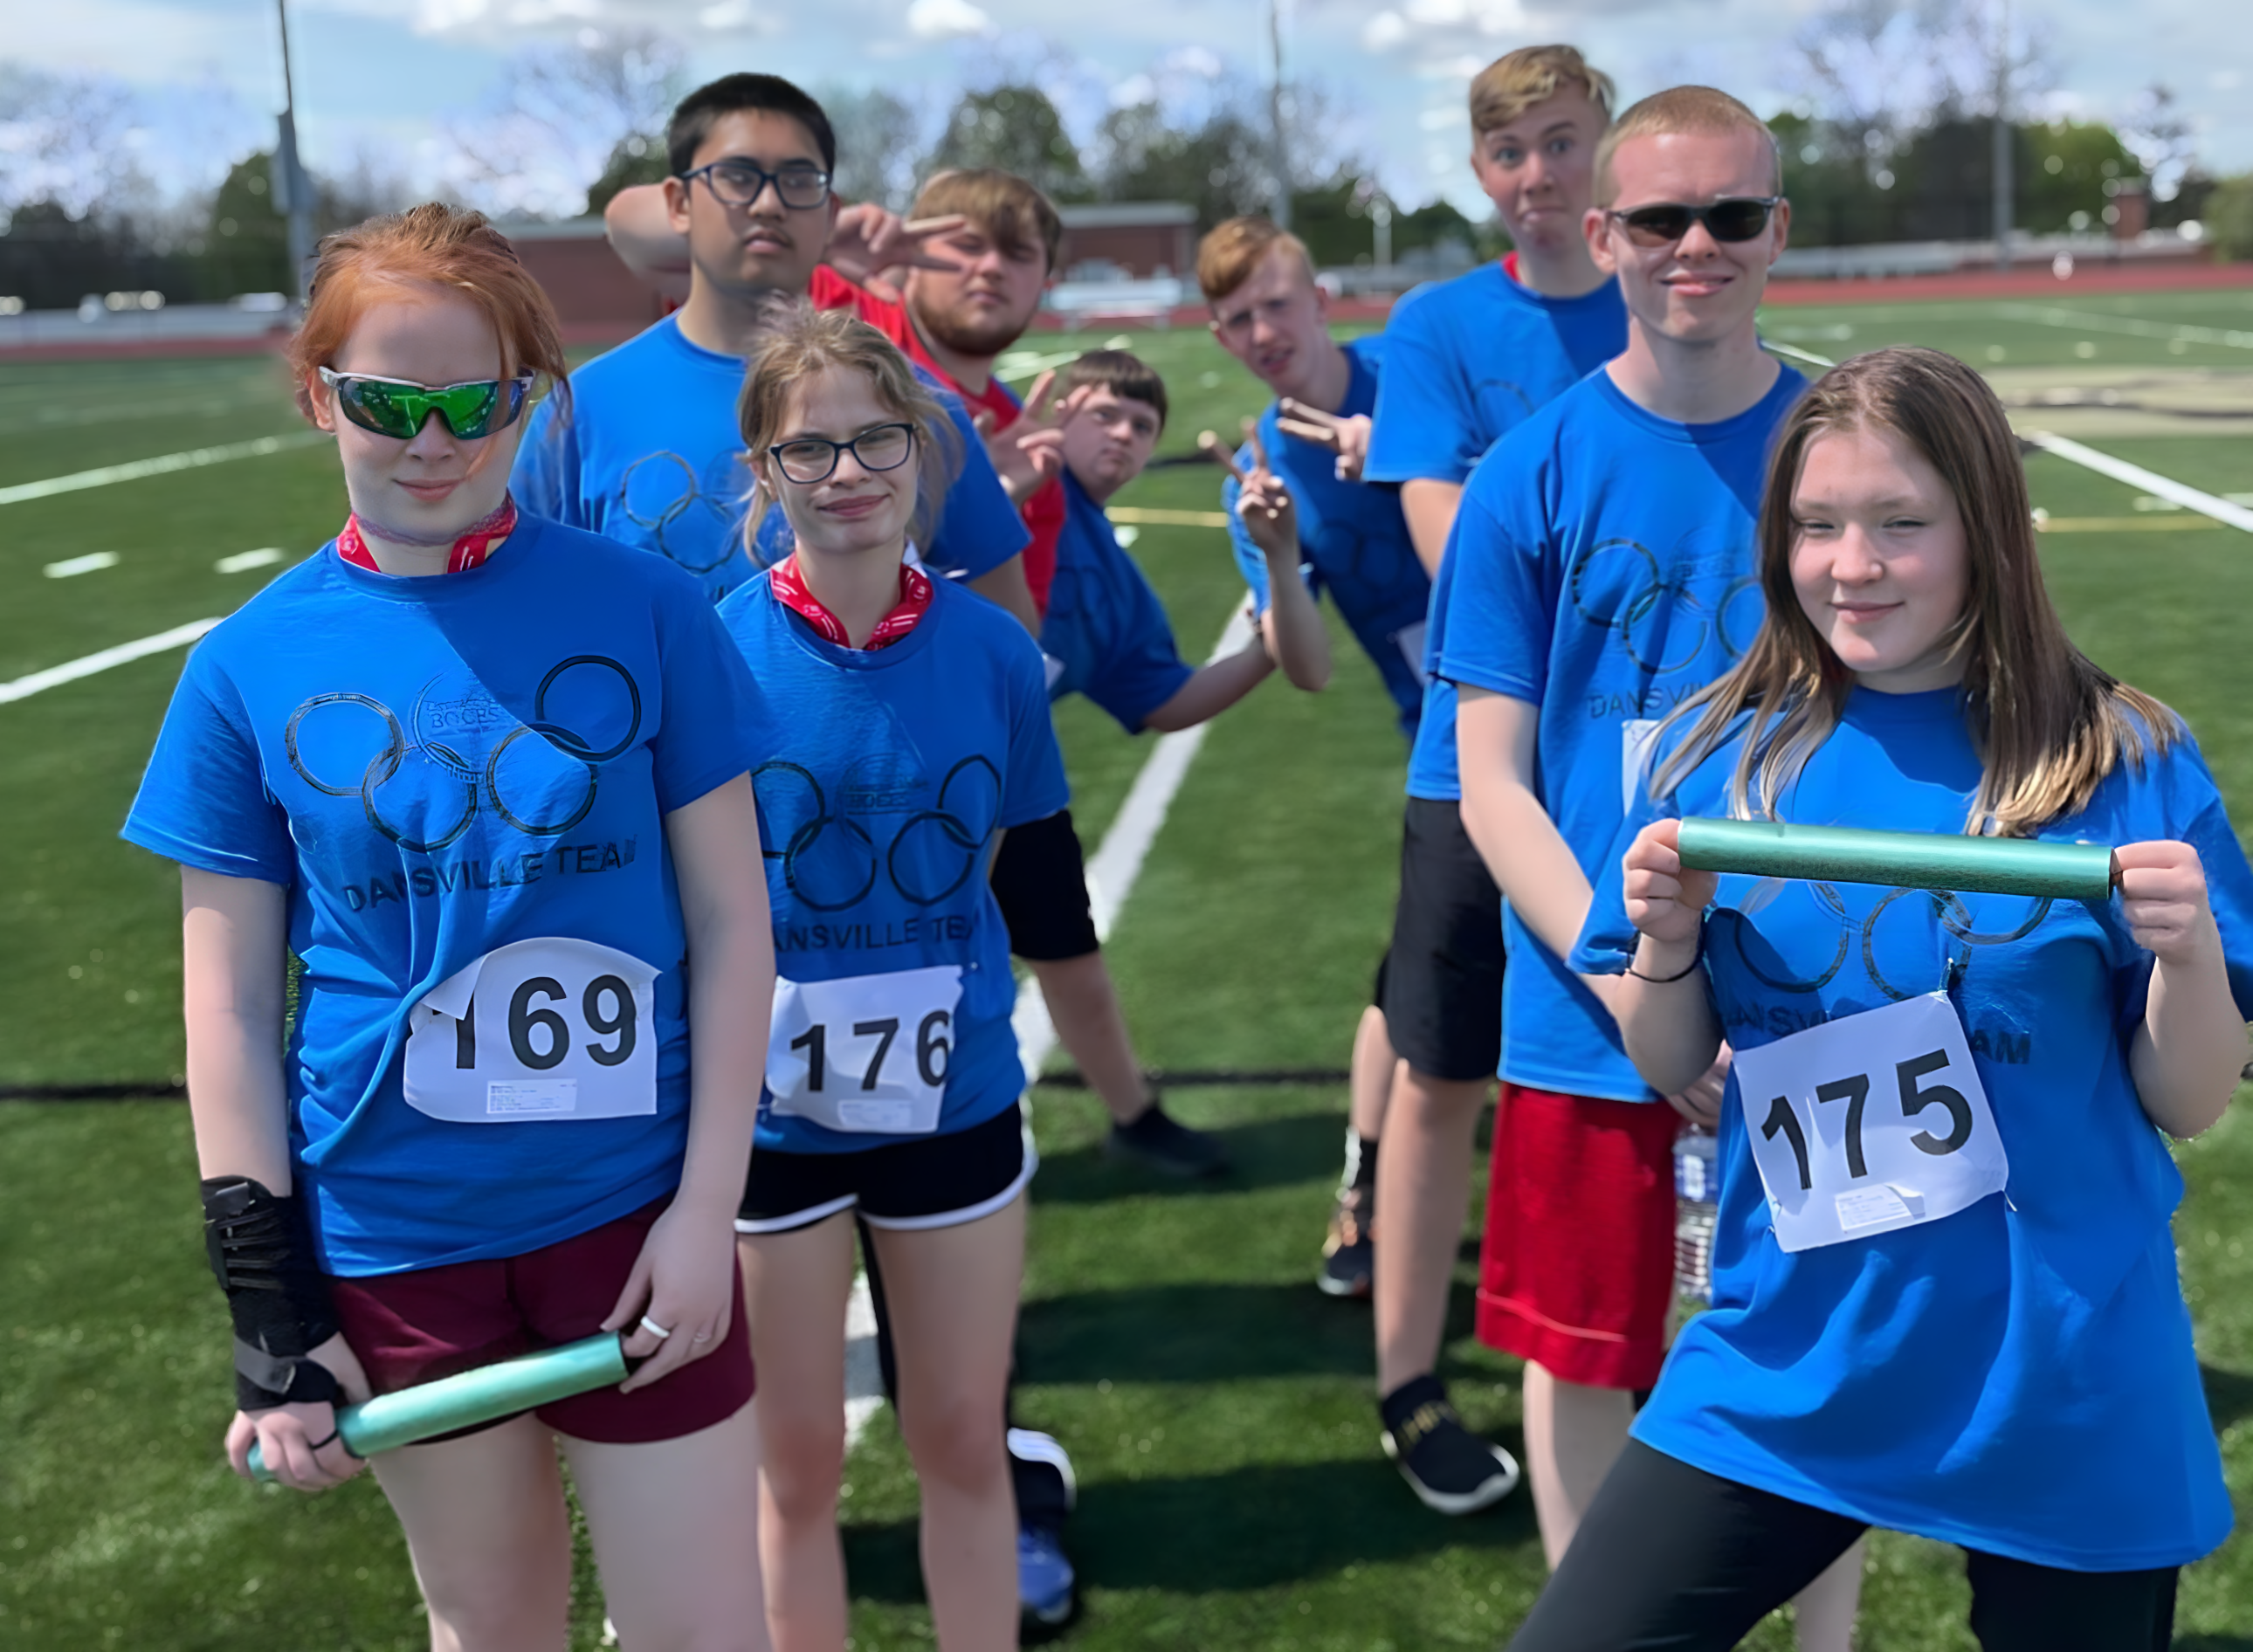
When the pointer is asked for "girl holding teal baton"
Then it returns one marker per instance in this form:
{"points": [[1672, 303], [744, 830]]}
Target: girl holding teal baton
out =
{"points": [[1945, 1294], [457, 801]]}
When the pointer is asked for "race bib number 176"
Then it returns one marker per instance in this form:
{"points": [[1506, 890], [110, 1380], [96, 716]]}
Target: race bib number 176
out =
{"points": [[1870, 1124]]}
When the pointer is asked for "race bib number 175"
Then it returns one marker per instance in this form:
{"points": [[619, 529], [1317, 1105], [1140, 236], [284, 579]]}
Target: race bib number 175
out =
{"points": [[1870, 1124]]}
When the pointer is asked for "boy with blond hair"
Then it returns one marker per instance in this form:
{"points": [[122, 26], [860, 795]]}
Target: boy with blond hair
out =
{"points": [[1466, 361]]}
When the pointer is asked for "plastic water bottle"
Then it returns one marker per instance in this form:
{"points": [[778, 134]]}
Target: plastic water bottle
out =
{"points": [[1697, 1187]]}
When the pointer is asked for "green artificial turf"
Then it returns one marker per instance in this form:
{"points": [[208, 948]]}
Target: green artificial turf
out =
{"points": [[1219, 1409]]}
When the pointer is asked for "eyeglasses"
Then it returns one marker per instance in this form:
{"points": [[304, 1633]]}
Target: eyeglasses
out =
{"points": [[400, 408], [740, 183], [809, 459], [1738, 218]]}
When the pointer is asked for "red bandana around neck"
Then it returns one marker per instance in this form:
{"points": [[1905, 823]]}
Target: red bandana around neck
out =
{"points": [[915, 602], [476, 544]]}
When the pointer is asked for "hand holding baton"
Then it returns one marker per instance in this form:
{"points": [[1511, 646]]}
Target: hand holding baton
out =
{"points": [[1910, 859], [389, 1421]]}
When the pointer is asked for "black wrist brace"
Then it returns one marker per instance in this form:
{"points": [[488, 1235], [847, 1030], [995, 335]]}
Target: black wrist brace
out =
{"points": [[263, 1255]]}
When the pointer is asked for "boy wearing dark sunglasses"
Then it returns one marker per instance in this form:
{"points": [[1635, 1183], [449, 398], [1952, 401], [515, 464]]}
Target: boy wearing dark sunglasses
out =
{"points": [[651, 456], [1601, 572]]}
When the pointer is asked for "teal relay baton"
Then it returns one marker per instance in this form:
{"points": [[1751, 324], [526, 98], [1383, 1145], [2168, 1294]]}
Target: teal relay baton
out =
{"points": [[389, 1421], [1909, 859]]}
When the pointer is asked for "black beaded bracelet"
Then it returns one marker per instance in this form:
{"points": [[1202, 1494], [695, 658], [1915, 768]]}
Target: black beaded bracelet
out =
{"points": [[1696, 959]]}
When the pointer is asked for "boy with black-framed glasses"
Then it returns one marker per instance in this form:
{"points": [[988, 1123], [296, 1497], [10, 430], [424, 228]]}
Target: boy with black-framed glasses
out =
{"points": [[651, 456]]}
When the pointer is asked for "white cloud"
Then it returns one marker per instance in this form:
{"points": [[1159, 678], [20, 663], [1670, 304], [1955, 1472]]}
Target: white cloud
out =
{"points": [[947, 19], [1441, 120], [1133, 90], [1383, 32]]}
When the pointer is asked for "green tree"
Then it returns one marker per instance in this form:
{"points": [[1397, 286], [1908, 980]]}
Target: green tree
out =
{"points": [[1016, 129], [2067, 168], [2230, 216], [1222, 169], [635, 160], [247, 248]]}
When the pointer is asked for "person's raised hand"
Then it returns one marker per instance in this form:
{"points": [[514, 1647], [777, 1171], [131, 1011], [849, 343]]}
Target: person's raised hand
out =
{"points": [[299, 1444], [1665, 900], [869, 241], [1263, 502], [2163, 901], [1346, 437], [1031, 450], [679, 1299]]}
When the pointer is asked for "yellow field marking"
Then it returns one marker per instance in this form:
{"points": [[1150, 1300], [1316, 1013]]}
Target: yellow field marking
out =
{"points": [[2184, 523], [1140, 517]]}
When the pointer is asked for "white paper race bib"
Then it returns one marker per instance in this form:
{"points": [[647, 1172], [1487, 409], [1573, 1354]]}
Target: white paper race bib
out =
{"points": [[536, 1031], [1409, 640], [867, 1054], [1869, 1124]]}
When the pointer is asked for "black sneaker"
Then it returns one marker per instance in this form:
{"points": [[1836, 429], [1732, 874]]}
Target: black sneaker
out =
{"points": [[1349, 1251], [1164, 1143], [1451, 1469]]}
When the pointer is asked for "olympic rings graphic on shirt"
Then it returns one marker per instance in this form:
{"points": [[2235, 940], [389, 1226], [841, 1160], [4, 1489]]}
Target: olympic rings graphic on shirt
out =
{"points": [[657, 505], [952, 827], [770, 785], [829, 860], [1947, 911], [1651, 597], [481, 784]]}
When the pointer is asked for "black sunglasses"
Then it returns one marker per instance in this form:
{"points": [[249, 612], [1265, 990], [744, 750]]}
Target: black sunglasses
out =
{"points": [[1738, 218]]}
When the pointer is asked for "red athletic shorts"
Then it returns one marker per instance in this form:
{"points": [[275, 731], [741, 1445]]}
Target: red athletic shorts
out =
{"points": [[1576, 1271], [418, 1327]]}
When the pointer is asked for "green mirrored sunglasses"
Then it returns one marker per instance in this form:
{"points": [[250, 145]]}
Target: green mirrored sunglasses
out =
{"points": [[400, 408]]}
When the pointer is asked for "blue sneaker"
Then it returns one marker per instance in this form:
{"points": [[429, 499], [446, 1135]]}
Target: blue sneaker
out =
{"points": [[1044, 1576], [1046, 1491]]}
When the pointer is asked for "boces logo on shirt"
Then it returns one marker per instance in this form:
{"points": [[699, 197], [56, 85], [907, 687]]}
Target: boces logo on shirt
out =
{"points": [[425, 772], [884, 820]]}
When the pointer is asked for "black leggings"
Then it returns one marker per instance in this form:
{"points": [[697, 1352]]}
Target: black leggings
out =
{"points": [[1671, 1556]]}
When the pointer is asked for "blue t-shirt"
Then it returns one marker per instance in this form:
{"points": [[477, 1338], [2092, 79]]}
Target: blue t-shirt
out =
{"points": [[1467, 361], [884, 777], [1354, 539], [1604, 573], [2018, 1376], [434, 768], [1106, 628], [652, 455]]}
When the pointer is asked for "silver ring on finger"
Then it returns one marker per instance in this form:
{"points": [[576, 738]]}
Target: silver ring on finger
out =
{"points": [[661, 1333]]}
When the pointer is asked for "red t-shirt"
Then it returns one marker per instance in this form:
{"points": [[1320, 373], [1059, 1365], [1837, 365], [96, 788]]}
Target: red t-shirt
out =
{"points": [[1044, 512]]}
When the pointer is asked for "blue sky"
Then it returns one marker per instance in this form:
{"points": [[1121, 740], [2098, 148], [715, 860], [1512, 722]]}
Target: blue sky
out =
{"points": [[382, 76]]}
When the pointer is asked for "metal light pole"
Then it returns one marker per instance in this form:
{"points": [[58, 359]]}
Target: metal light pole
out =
{"points": [[1282, 208], [2005, 138], [292, 193]]}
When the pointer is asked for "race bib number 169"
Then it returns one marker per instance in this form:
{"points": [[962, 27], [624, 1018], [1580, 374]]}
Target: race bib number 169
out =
{"points": [[535, 1032], [1870, 1124]]}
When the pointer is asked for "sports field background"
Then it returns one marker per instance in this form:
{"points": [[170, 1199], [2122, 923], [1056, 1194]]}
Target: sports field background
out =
{"points": [[1219, 1410]]}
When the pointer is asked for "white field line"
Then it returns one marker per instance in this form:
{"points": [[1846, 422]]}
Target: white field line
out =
{"points": [[158, 466], [1110, 878], [2229, 512], [53, 676], [2133, 326], [2151, 482]]}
